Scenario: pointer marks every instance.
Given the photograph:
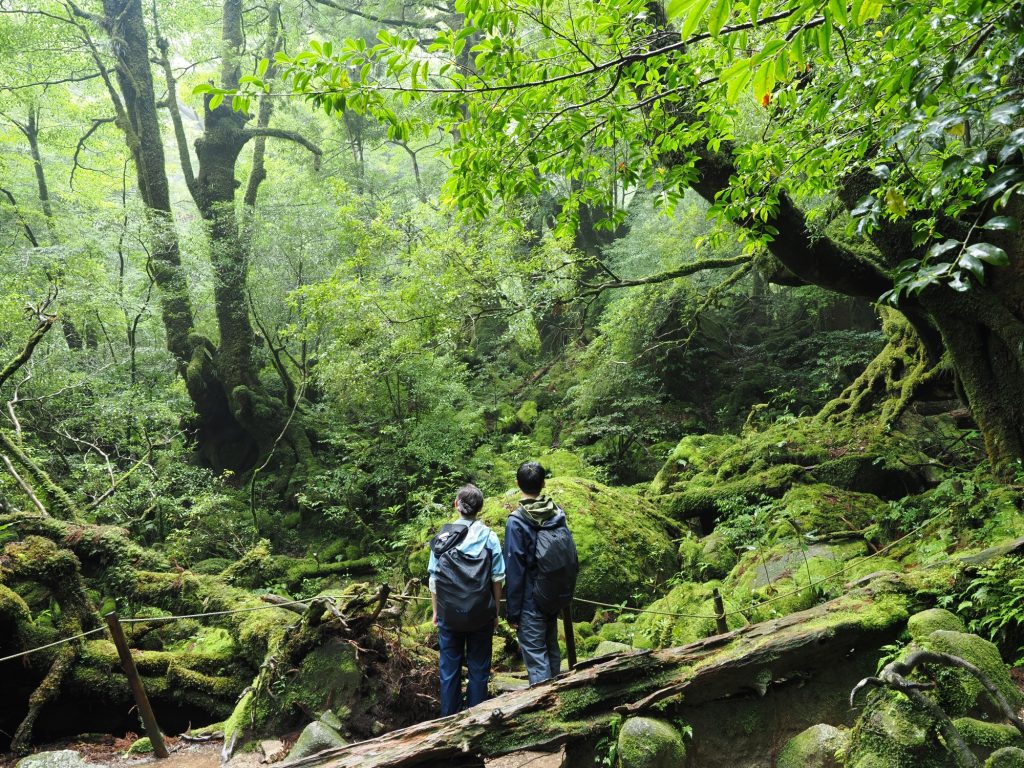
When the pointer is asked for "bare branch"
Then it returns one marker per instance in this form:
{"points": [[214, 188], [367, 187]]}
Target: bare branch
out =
{"points": [[683, 271], [96, 124], [28, 230], [372, 17], [281, 133], [45, 323], [25, 487]]}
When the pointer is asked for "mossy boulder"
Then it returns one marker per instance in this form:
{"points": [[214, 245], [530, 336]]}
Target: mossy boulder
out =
{"points": [[693, 454], [825, 509], [63, 758], [624, 546], [315, 737], [922, 624], [960, 693], [891, 733], [983, 735], [648, 743], [610, 647], [817, 747], [1008, 757]]}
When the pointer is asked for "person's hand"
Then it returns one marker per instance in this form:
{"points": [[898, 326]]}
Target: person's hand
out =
{"points": [[513, 624], [434, 619], [497, 621]]}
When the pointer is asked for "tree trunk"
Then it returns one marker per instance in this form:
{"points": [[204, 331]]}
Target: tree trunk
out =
{"points": [[577, 706]]}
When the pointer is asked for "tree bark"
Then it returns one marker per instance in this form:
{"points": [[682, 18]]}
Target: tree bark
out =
{"points": [[577, 706]]}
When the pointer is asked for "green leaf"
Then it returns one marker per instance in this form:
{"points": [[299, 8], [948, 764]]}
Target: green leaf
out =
{"points": [[764, 80], [215, 101], [694, 16], [990, 254], [1002, 223], [868, 10], [719, 15], [838, 8], [675, 8], [755, 10], [738, 82]]}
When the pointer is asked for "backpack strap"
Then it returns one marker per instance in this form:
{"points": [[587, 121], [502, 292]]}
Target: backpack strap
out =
{"points": [[450, 536]]}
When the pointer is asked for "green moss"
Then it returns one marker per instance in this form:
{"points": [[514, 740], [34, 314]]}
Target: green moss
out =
{"points": [[575, 702], [253, 569], [923, 624], [826, 509], [648, 743], [1008, 757], [987, 735], [959, 692], [815, 747], [693, 454], [141, 746]]}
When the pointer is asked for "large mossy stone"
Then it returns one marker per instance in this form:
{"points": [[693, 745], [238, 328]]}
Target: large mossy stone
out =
{"points": [[315, 737], [64, 758], [1008, 757], [648, 743], [922, 624], [814, 748], [610, 647], [985, 735], [624, 546], [960, 693]]}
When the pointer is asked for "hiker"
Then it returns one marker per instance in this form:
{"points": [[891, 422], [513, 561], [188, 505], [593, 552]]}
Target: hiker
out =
{"points": [[541, 563], [466, 572]]}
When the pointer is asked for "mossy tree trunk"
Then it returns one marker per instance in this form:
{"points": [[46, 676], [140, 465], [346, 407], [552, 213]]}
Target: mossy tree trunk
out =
{"points": [[982, 329], [237, 421]]}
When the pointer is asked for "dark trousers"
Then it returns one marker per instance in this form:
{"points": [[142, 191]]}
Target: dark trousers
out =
{"points": [[538, 642], [473, 648]]}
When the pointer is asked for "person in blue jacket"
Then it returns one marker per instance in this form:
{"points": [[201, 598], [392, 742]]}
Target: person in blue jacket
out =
{"points": [[473, 647], [537, 633]]}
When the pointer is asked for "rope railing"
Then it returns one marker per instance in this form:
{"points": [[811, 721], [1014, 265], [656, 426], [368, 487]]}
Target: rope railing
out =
{"points": [[144, 620], [596, 603]]}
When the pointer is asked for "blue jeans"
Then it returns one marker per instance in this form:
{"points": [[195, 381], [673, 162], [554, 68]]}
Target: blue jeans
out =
{"points": [[475, 649], [538, 642]]}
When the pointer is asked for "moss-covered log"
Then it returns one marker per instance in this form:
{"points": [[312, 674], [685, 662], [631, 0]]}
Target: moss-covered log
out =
{"points": [[577, 706]]}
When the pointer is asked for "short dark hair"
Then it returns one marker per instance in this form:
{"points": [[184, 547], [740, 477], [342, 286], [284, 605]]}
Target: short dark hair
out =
{"points": [[530, 477], [470, 500]]}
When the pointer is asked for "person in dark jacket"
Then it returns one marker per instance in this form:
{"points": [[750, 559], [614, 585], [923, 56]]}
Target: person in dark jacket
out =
{"points": [[537, 633]]}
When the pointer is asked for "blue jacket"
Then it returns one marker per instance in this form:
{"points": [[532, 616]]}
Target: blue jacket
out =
{"points": [[520, 543]]}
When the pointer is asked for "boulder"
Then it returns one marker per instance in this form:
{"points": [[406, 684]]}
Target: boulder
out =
{"points": [[814, 748], [1008, 757], [609, 647], [922, 624], [315, 737], [648, 743], [64, 758]]}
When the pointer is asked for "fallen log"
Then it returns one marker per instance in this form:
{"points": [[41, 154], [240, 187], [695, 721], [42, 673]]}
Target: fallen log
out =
{"points": [[578, 706]]}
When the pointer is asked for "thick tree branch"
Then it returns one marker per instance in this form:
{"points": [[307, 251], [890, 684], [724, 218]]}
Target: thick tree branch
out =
{"points": [[281, 133], [373, 17], [592, 289], [184, 156], [28, 230], [45, 323]]}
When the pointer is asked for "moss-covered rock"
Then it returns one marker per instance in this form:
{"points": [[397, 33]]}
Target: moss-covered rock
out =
{"points": [[922, 624], [648, 743], [610, 647], [693, 454], [891, 733], [986, 735], [817, 747], [315, 737], [1008, 757], [624, 546], [824, 509], [960, 693]]}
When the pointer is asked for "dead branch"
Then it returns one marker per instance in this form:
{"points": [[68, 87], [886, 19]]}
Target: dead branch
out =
{"points": [[26, 489]]}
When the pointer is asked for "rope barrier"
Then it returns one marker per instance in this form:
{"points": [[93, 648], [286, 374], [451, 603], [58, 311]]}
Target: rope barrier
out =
{"points": [[53, 644], [307, 600], [266, 607]]}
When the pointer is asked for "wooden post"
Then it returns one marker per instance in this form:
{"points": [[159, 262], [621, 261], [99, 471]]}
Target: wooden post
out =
{"points": [[138, 690], [720, 622], [570, 637]]}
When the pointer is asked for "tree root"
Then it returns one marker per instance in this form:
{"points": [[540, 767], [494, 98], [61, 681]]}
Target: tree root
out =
{"points": [[893, 378], [47, 690], [894, 676]]}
